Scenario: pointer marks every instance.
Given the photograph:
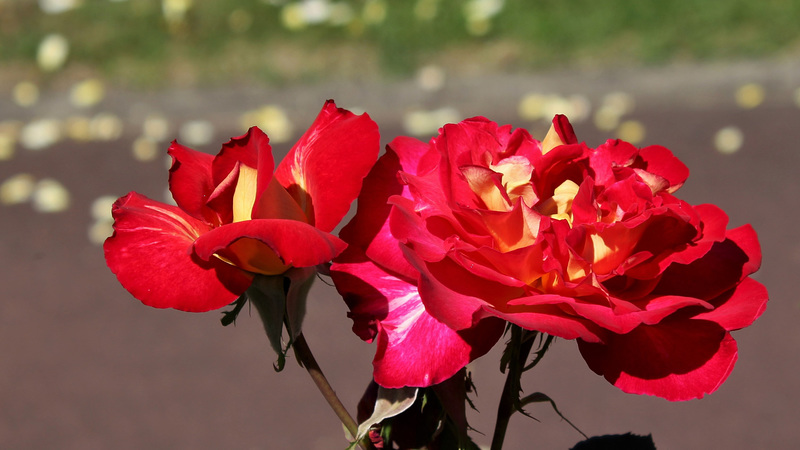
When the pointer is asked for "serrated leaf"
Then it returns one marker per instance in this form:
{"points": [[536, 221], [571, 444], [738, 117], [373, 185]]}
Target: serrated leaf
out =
{"points": [[539, 397], [543, 347]]}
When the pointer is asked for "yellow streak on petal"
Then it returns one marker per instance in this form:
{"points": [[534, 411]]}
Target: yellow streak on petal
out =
{"points": [[244, 196], [255, 256], [516, 180], [559, 206], [610, 250], [551, 140], [481, 182]]}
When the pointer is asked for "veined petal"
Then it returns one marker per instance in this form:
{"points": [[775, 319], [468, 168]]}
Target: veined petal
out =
{"points": [[297, 244], [150, 252], [675, 360], [324, 170]]}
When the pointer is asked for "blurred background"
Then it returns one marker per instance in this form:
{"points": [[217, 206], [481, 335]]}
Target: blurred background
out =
{"points": [[93, 91]]}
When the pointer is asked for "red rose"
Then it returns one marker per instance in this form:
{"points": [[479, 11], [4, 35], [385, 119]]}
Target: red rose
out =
{"points": [[235, 218], [553, 236]]}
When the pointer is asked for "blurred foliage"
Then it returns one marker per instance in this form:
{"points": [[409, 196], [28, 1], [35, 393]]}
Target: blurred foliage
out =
{"points": [[158, 42]]}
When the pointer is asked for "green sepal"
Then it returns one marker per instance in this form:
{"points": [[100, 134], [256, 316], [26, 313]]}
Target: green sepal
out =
{"points": [[268, 295], [230, 316], [300, 281]]}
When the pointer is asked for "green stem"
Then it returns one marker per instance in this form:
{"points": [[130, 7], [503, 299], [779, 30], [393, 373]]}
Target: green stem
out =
{"points": [[509, 400], [504, 411], [307, 360]]}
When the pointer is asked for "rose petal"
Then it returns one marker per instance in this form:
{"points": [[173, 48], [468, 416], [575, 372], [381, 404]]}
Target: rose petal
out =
{"points": [[560, 133], [548, 317], [325, 168], [369, 228], [660, 161], [251, 149], [449, 299], [150, 252], [414, 349], [738, 308], [190, 181], [675, 360], [719, 270], [296, 243]]}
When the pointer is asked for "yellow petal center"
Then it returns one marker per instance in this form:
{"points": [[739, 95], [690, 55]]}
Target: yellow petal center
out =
{"points": [[244, 196]]}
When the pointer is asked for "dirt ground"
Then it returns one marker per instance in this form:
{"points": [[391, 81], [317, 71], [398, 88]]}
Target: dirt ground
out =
{"points": [[83, 365]]}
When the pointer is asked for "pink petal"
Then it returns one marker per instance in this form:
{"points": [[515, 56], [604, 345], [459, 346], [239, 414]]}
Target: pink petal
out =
{"points": [[675, 360], [414, 349], [150, 252], [297, 244], [369, 229], [325, 168], [190, 181]]}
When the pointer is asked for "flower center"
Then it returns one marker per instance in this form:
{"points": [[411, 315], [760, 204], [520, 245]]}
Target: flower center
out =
{"points": [[559, 206], [516, 180]]}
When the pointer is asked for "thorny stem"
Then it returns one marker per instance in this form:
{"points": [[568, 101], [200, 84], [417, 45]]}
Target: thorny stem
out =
{"points": [[520, 349], [307, 360]]}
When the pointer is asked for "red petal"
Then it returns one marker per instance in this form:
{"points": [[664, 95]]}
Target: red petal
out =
{"points": [[549, 317], [150, 252], [324, 170], [296, 243], [251, 149], [449, 299], [675, 360], [738, 308], [747, 240], [719, 270], [190, 181], [564, 129], [660, 161], [369, 229], [414, 349]]}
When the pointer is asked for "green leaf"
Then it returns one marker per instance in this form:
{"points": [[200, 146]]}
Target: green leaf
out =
{"points": [[539, 397], [543, 347]]}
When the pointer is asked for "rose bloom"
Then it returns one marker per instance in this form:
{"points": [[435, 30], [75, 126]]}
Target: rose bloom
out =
{"points": [[235, 217], [553, 236]]}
